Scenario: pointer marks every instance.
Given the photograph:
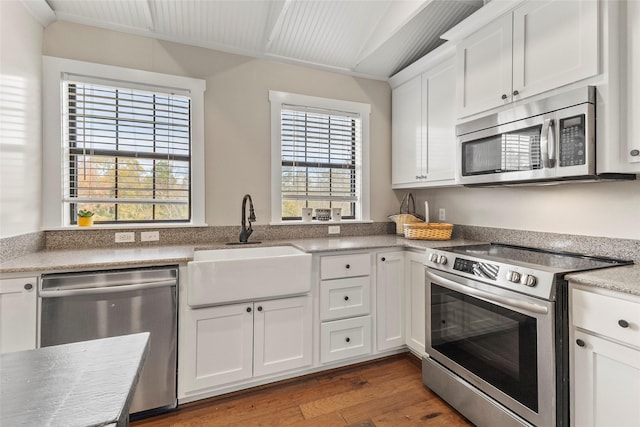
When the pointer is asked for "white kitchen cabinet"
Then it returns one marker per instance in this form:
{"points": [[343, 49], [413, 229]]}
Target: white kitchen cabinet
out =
{"points": [[423, 128], [345, 306], [232, 343], [414, 307], [541, 45], [18, 314], [389, 299], [605, 358], [282, 335], [625, 156]]}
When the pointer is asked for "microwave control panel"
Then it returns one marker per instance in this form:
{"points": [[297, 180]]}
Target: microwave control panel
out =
{"points": [[572, 141]]}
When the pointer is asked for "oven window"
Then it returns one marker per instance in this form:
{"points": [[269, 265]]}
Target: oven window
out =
{"points": [[507, 152], [494, 343]]}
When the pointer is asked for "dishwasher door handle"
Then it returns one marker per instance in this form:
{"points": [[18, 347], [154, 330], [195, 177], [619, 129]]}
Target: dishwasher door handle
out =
{"points": [[107, 289]]}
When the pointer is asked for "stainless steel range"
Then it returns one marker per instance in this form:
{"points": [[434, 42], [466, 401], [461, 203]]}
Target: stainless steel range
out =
{"points": [[497, 331]]}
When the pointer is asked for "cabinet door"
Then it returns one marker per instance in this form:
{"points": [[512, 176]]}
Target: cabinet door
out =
{"points": [[18, 314], [484, 68], [415, 302], [219, 342], [389, 289], [605, 383], [440, 84], [282, 335], [631, 150], [555, 42], [408, 133]]}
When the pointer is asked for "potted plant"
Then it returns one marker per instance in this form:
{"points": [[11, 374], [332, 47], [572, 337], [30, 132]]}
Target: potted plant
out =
{"points": [[85, 218]]}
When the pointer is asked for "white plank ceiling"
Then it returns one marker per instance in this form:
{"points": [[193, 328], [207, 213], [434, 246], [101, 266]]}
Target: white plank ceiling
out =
{"points": [[370, 38]]}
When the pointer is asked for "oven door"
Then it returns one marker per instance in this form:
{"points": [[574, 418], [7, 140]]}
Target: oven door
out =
{"points": [[500, 341]]}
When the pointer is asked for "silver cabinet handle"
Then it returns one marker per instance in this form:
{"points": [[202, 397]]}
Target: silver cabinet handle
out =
{"points": [[547, 148], [107, 289], [507, 302]]}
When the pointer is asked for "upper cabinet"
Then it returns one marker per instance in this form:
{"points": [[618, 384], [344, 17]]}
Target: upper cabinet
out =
{"points": [[423, 123], [539, 46]]}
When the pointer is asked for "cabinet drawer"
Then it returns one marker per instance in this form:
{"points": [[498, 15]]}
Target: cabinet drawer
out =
{"points": [[345, 297], [609, 316], [346, 338], [339, 266]]}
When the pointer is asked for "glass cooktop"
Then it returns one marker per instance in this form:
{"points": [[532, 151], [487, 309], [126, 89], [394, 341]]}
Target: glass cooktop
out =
{"points": [[508, 254]]}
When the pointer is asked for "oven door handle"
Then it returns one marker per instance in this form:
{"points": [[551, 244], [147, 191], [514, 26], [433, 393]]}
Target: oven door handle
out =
{"points": [[508, 302]]}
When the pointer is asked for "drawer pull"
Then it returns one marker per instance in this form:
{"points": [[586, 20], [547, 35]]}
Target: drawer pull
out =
{"points": [[28, 286], [623, 323], [346, 298], [383, 259], [580, 343], [348, 339], [347, 266]]}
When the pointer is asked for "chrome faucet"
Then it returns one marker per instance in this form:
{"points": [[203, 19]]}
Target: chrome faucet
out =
{"points": [[244, 231]]}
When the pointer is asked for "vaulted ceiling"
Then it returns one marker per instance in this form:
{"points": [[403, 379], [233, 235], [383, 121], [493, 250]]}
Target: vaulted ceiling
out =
{"points": [[371, 38]]}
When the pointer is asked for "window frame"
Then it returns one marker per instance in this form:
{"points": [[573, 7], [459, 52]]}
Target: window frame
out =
{"points": [[54, 213], [277, 99]]}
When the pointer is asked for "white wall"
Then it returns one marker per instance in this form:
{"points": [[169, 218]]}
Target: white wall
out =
{"points": [[20, 119], [237, 129], [609, 209]]}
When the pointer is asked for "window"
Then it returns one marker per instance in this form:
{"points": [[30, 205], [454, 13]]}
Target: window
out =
{"points": [[319, 151], [131, 152], [128, 153]]}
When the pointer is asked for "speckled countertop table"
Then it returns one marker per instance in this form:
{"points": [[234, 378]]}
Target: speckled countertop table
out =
{"points": [[623, 279], [84, 259]]}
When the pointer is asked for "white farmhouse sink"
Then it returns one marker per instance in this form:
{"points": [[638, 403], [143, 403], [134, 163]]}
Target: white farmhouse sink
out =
{"points": [[226, 275]]}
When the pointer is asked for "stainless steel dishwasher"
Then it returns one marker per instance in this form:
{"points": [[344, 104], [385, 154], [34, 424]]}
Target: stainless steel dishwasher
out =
{"points": [[100, 304]]}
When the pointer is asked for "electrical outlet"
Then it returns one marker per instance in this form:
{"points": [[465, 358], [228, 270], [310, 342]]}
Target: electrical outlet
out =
{"points": [[334, 229], [442, 214], [149, 236], [126, 237]]}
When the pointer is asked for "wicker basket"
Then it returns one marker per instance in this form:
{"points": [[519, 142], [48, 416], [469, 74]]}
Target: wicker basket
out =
{"points": [[428, 231]]}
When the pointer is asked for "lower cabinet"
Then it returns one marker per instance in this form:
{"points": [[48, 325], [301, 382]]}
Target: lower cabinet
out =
{"points": [[389, 299], [414, 307], [605, 359], [236, 342], [342, 339], [18, 314]]}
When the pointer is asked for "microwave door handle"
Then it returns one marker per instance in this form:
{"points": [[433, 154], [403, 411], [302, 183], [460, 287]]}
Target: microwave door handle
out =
{"points": [[547, 144]]}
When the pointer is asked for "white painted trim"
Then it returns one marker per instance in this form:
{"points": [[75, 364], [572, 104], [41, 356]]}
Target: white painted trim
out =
{"points": [[277, 99], [41, 11], [483, 16], [53, 214]]}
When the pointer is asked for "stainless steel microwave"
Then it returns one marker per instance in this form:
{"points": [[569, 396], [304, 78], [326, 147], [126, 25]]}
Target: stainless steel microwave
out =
{"points": [[552, 139]]}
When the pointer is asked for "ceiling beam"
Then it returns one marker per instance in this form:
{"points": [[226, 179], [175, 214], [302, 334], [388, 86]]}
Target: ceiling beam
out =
{"points": [[148, 16], [277, 13], [40, 10]]}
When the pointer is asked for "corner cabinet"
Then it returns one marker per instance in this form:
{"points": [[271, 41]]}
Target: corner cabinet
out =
{"points": [[231, 343], [389, 299], [423, 124], [414, 307], [539, 46], [605, 358], [18, 314]]}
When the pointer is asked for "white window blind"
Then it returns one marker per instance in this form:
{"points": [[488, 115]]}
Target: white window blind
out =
{"points": [[128, 153], [319, 150]]}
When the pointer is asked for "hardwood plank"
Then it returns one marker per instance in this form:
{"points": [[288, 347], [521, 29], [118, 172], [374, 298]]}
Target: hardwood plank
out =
{"points": [[383, 393]]}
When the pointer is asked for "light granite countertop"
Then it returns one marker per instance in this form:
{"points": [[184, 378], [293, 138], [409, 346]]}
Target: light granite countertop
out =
{"points": [[85, 259], [622, 279]]}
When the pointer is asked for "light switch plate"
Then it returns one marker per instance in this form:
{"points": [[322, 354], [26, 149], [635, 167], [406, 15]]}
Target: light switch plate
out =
{"points": [[126, 237], [149, 236], [334, 229]]}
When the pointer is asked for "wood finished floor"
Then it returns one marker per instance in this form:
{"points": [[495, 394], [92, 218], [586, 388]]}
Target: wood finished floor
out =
{"points": [[385, 393]]}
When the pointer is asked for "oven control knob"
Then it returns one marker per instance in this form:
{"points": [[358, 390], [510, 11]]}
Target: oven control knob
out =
{"points": [[513, 276], [442, 259], [433, 258], [529, 280]]}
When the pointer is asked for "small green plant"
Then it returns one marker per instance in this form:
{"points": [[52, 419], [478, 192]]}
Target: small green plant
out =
{"points": [[85, 213]]}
